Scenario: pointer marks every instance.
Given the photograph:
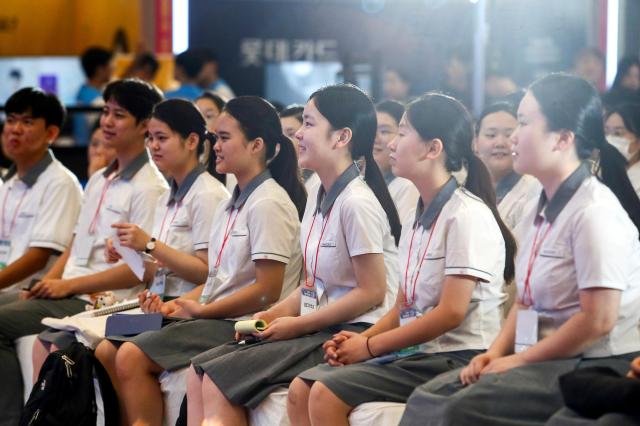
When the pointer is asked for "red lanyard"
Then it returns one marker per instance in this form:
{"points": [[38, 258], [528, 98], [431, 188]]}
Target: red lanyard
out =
{"points": [[408, 302], [15, 212], [315, 266], [179, 204], [227, 232], [94, 222], [535, 250]]}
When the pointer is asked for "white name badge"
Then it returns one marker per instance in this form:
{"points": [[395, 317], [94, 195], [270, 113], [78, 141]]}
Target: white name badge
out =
{"points": [[408, 315], [85, 247], [5, 253], [526, 329], [159, 282], [308, 301], [212, 283]]}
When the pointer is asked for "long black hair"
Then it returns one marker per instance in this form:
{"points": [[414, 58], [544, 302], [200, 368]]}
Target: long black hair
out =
{"points": [[259, 119], [346, 106], [630, 114], [184, 118], [572, 104], [438, 116]]}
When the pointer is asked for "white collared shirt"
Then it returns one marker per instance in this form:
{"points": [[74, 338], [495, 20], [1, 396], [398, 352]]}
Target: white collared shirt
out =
{"points": [[519, 200], [591, 244], [267, 228], [45, 214], [466, 241], [186, 225], [405, 196], [356, 225], [125, 201]]}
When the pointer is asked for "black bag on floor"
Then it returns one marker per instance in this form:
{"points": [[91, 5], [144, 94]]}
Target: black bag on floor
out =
{"points": [[64, 393]]}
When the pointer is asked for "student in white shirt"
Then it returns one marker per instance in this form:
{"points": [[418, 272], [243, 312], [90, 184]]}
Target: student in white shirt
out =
{"points": [[452, 270], [254, 260], [577, 271], [623, 121], [348, 241], [40, 197], [126, 191], [403, 192], [515, 193], [183, 215]]}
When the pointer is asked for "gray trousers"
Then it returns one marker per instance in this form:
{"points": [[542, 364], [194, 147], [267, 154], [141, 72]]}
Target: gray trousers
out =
{"points": [[17, 319], [527, 396]]}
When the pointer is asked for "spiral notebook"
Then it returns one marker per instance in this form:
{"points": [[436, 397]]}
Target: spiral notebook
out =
{"points": [[125, 305]]}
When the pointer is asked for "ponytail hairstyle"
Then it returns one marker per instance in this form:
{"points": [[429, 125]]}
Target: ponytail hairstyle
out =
{"points": [[184, 118], [259, 119], [572, 104], [347, 106], [438, 116]]}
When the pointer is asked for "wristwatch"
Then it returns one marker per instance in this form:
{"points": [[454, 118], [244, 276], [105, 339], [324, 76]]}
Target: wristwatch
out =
{"points": [[151, 246]]}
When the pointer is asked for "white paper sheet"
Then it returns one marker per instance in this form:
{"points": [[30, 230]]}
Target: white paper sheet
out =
{"points": [[132, 258]]}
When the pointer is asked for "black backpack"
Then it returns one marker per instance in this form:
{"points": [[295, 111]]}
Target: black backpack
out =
{"points": [[64, 393]]}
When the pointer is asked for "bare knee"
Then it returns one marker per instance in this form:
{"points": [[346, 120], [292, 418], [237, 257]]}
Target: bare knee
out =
{"points": [[106, 353], [130, 362], [298, 395], [323, 401]]}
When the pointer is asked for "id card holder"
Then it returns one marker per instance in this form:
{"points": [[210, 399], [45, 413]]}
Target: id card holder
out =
{"points": [[159, 282], [5, 253], [526, 329], [212, 283], [85, 247], [308, 300], [408, 315]]}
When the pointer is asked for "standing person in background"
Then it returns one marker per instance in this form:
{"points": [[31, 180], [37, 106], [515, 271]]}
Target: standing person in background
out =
{"points": [[40, 197], [589, 64], [97, 67], [396, 84], [188, 66], [403, 193], [493, 146], [626, 85], [144, 66], [209, 77]]}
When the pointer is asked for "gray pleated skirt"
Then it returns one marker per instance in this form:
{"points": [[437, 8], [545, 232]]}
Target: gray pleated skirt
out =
{"points": [[246, 374], [173, 346], [527, 395], [372, 381]]}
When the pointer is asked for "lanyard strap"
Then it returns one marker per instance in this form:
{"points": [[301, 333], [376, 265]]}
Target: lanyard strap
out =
{"points": [[15, 212], [416, 272], [227, 232], [535, 251], [105, 188], [179, 204], [315, 266]]}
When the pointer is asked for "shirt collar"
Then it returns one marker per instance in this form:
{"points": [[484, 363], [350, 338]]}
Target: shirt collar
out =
{"points": [[131, 170], [562, 196], [506, 184], [324, 204], [34, 172], [389, 177], [428, 216], [239, 198], [178, 192]]}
